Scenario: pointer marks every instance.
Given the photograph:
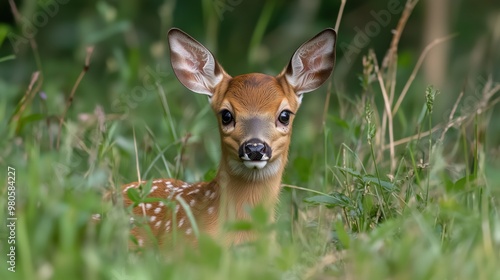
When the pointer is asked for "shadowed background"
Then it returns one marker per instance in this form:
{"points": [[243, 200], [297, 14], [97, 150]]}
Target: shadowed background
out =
{"points": [[130, 86]]}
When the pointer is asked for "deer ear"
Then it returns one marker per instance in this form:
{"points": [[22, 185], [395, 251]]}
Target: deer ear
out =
{"points": [[194, 65], [312, 63]]}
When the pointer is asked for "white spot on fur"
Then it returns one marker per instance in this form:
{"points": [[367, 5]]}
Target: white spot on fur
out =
{"points": [[192, 202], [210, 210], [140, 242], [148, 205], [158, 224], [181, 222], [189, 231], [177, 208], [152, 219], [157, 210], [126, 189], [193, 192]]}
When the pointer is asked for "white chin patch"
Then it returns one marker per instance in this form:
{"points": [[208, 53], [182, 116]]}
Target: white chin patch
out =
{"points": [[255, 164]]}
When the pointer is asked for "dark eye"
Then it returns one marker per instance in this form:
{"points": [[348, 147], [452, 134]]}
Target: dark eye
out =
{"points": [[284, 117], [226, 117]]}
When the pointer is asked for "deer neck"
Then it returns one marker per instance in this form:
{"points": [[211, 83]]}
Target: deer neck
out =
{"points": [[239, 194]]}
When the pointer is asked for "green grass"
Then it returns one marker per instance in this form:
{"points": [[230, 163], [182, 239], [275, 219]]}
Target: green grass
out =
{"points": [[349, 209]]}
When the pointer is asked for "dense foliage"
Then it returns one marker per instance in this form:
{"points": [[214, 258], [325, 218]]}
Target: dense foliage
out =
{"points": [[393, 169]]}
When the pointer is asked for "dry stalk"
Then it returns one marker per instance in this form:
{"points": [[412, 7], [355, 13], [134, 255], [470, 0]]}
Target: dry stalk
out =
{"points": [[389, 62], [28, 95], [90, 50], [484, 105], [450, 118], [387, 112], [389, 58], [36, 77], [339, 15], [413, 137], [416, 68], [329, 91], [34, 46]]}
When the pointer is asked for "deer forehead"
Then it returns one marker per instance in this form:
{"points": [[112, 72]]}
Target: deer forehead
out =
{"points": [[257, 95]]}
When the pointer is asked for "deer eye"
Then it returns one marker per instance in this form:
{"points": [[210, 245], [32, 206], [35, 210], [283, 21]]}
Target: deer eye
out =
{"points": [[226, 117], [284, 117]]}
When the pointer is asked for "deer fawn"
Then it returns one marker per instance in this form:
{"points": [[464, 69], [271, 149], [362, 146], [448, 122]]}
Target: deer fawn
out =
{"points": [[255, 114]]}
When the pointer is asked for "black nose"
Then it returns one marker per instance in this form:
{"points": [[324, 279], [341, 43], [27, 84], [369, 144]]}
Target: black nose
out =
{"points": [[255, 149]]}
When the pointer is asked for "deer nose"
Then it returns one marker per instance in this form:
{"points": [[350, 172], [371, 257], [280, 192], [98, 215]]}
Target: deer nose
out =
{"points": [[255, 150]]}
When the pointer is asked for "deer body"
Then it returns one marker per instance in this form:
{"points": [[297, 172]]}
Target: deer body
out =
{"points": [[255, 114]]}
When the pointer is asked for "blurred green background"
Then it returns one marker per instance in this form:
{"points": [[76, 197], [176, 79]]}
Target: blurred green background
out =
{"points": [[246, 36], [131, 54], [130, 88]]}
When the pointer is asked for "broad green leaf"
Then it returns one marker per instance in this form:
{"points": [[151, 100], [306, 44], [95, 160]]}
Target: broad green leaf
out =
{"points": [[342, 234], [349, 171], [384, 184], [331, 201], [133, 194]]}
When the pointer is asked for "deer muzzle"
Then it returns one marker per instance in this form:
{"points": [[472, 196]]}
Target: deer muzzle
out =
{"points": [[255, 153]]}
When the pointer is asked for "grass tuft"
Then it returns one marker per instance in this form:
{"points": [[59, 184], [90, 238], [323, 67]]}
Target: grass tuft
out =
{"points": [[383, 193]]}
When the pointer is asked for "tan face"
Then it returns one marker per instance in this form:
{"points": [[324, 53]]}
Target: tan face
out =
{"points": [[255, 121], [255, 111]]}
